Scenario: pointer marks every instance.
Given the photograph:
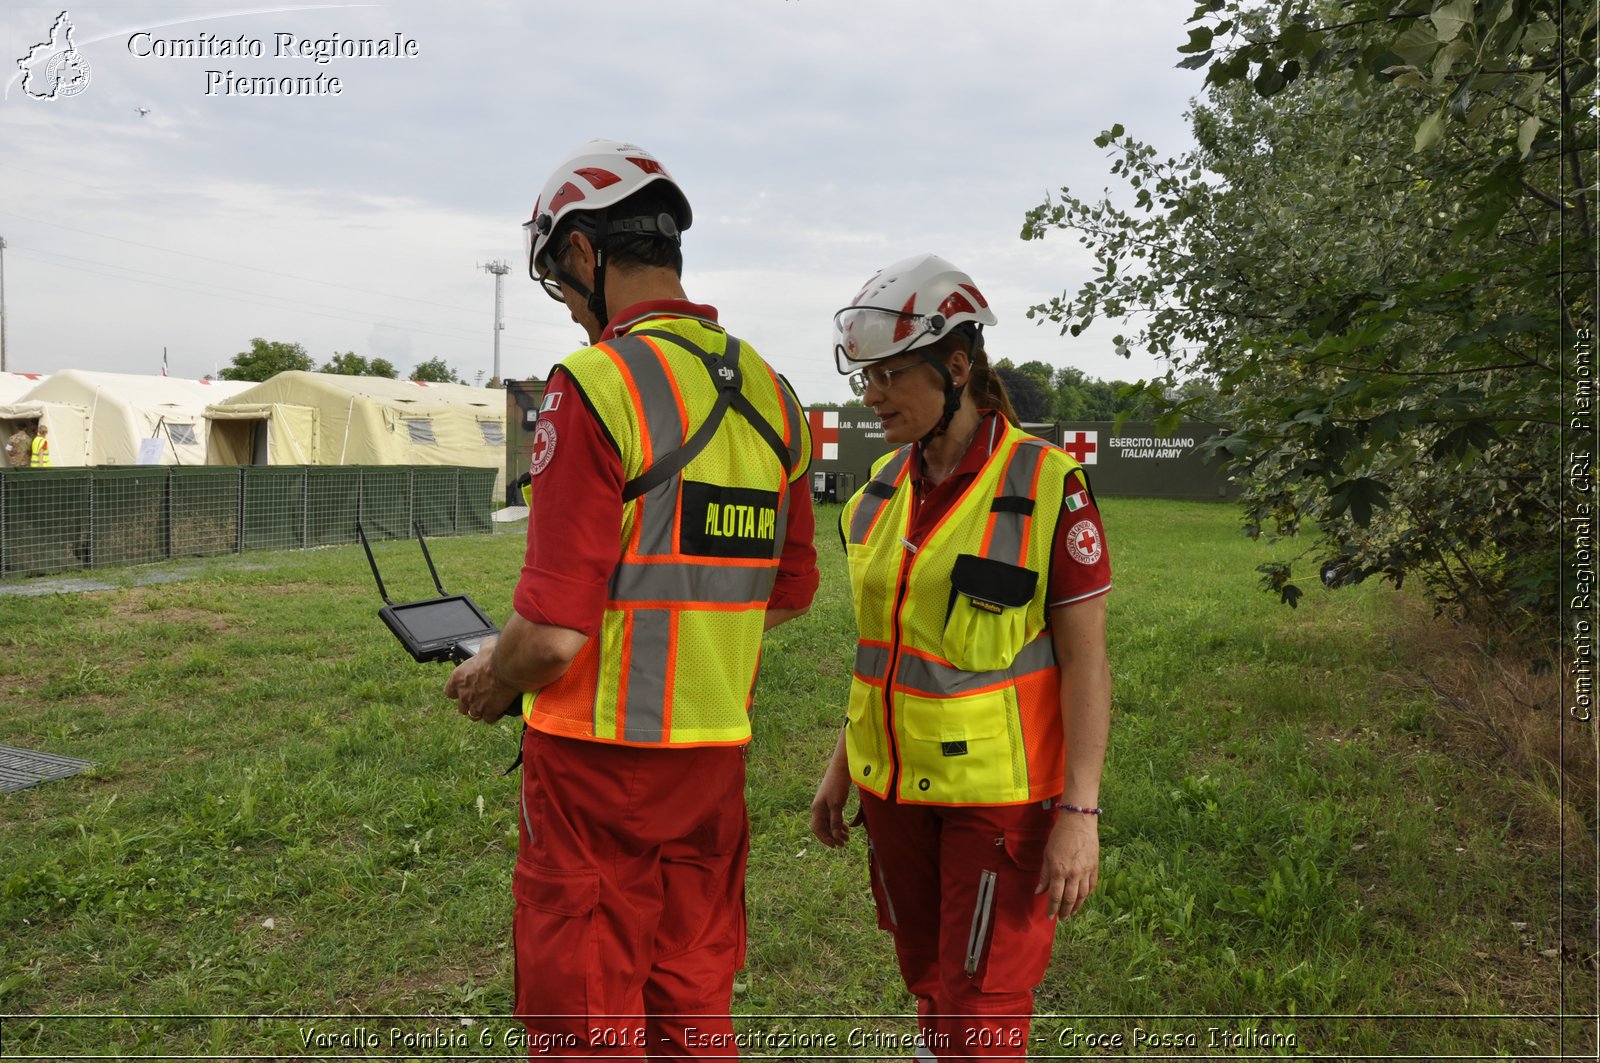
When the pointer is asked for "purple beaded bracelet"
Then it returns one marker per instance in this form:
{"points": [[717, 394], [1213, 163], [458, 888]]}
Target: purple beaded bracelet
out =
{"points": [[1066, 806]]}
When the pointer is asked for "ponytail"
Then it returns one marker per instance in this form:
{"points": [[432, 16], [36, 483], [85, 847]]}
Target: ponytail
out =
{"points": [[988, 390]]}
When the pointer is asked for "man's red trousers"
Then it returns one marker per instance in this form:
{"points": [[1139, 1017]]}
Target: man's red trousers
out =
{"points": [[629, 888]]}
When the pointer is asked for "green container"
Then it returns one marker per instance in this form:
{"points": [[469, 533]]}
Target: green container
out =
{"points": [[386, 501], [46, 520], [433, 498], [333, 501], [130, 521], [205, 510], [274, 507], [475, 501]]}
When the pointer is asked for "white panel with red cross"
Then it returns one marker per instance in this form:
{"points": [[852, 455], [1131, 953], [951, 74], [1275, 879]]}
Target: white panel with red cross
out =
{"points": [[1083, 446], [824, 434]]}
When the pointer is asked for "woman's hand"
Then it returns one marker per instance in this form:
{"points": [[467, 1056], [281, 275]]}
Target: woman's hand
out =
{"points": [[827, 808], [1071, 863]]}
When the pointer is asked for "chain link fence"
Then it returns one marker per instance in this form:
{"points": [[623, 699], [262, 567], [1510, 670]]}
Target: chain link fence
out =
{"points": [[53, 520]]}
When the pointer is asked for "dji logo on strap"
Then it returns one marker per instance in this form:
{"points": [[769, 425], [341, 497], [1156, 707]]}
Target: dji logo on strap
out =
{"points": [[725, 373]]}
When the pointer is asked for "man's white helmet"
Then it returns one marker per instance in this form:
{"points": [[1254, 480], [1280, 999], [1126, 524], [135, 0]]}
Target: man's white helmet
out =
{"points": [[599, 175], [905, 306]]}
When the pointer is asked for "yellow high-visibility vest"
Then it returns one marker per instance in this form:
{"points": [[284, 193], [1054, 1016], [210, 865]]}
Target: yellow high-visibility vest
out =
{"points": [[39, 453], [674, 662], [955, 695]]}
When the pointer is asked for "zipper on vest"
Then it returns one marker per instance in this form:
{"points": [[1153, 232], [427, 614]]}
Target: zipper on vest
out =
{"points": [[893, 663]]}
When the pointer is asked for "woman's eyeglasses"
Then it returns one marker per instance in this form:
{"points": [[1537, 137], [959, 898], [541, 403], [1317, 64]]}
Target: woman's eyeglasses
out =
{"points": [[877, 376]]}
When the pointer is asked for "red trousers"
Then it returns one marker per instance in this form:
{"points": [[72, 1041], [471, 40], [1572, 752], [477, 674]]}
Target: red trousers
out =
{"points": [[629, 888], [955, 886]]}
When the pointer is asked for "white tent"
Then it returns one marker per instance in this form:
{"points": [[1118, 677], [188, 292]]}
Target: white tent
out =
{"points": [[120, 411], [15, 385], [300, 418], [68, 424]]}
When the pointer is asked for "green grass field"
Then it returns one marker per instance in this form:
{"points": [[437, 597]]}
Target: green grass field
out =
{"points": [[287, 820]]}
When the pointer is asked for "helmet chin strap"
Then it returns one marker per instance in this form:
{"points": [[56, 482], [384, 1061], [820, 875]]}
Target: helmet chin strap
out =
{"points": [[952, 399], [952, 394], [663, 225], [596, 299]]}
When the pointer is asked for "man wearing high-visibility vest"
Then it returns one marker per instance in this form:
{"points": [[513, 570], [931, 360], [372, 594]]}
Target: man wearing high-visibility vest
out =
{"points": [[669, 525], [40, 456]]}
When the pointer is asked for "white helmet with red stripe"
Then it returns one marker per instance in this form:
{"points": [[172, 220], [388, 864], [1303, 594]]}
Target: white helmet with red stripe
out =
{"points": [[596, 177], [905, 306]]}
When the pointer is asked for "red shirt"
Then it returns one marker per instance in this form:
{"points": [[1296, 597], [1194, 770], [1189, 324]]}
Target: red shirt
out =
{"points": [[575, 506], [1080, 563]]}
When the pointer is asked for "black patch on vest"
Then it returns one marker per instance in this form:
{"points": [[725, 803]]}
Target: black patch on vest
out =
{"points": [[1012, 504], [955, 749], [727, 521]]}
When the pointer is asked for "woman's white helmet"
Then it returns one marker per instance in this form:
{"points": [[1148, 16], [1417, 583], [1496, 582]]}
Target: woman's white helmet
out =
{"points": [[905, 306], [596, 177]]}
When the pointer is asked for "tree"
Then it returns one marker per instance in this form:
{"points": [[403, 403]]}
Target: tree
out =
{"points": [[352, 364], [267, 359], [1084, 398], [1360, 255], [435, 371], [1030, 401]]}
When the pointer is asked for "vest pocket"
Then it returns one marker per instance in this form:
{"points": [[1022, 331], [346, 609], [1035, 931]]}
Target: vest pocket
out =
{"points": [[956, 750], [864, 739], [987, 623]]}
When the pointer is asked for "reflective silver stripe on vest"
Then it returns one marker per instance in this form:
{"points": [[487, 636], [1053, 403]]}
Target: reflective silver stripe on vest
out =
{"points": [[643, 705], [690, 583], [658, 510], [797, 426], [918, 675], [872, 662], [1007, 544], [871, 505], [797, 429]]}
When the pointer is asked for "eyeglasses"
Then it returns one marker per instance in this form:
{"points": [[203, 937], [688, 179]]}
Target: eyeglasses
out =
{"points": [[877, 376], [552, 287], [549, 277], [546, 272]]}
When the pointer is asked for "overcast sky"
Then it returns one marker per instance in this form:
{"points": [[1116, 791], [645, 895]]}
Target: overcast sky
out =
{"points": [[817, 140]]}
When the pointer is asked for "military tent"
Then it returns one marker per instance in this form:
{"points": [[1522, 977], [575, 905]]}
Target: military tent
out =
{"points": [[105, 418], [298, 418], [15, 385]]}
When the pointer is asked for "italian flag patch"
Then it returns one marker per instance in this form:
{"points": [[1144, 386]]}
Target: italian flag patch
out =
{"points": [[1076, 501]]}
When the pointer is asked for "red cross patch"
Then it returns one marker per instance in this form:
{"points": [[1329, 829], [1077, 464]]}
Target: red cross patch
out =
{"points": [[1083, 542], [544, 447]]}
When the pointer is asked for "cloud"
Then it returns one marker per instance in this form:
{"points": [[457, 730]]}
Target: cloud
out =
{"points": [[818, 139]]}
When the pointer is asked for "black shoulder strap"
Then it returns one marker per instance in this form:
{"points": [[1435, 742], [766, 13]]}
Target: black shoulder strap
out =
{"points": [[725, 374]]}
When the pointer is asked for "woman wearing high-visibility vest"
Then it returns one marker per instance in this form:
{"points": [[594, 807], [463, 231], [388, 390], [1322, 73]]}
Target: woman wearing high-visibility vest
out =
{"points": [[980, 697], [39, 457]]}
